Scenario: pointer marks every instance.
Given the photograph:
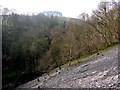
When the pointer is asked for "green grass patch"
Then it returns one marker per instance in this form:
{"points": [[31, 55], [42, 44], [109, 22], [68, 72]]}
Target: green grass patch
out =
{"points": [[88, 55], [85, 56], [11, 74]]}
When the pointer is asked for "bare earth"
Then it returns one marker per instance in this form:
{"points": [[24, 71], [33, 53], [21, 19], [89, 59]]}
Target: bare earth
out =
{"points": [[97, 71]]}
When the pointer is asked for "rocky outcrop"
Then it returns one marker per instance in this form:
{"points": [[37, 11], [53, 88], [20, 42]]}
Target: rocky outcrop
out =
{"points": [[51, 13]]}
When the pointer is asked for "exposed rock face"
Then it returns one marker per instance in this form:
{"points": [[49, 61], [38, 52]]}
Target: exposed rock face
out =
{"points": [[97, 71], [52, 13]]}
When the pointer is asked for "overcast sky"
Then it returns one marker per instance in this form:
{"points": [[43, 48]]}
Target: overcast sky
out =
{"points": [[69, 8]]}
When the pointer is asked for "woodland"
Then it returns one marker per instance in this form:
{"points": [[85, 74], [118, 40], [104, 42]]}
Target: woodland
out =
{"points": [[36, 44]]}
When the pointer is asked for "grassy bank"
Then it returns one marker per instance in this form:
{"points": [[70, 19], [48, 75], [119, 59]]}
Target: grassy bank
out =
{"points": [[88, 55]]}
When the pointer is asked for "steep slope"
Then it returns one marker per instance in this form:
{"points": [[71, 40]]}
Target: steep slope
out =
{"points": [[97, 71]]}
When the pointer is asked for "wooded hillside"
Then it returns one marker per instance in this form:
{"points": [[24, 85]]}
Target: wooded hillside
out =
{"points": [[37, 44]]}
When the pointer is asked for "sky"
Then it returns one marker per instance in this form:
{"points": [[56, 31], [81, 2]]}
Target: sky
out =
{"points": [[68, 8]]}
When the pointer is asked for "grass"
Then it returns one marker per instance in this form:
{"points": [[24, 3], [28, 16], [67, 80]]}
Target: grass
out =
{"points": [[82, 58], [11, 74], [88, 55]]}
